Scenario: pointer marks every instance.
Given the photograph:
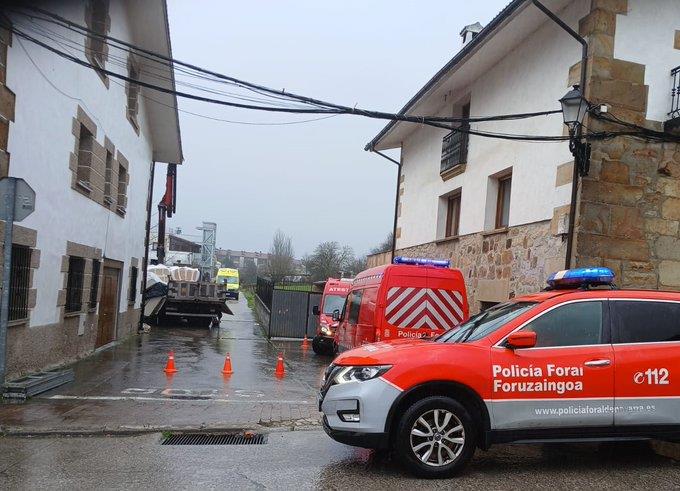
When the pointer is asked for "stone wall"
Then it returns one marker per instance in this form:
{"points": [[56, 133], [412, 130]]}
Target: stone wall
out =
{"points": [[7, 100], [501, 264], [628, 214]]}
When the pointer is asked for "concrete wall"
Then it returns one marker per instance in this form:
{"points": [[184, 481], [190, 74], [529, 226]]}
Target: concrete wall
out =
{"points": [[532, 77], [49, 91]]}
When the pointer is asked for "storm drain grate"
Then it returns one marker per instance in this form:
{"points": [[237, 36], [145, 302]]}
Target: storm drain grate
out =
{"points": [[215, 439]]}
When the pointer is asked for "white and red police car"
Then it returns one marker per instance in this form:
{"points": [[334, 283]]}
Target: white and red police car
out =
{"points": [[568, 363]]}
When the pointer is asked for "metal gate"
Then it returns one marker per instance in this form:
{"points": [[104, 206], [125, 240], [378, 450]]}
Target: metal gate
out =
{"points": [[291, 314]]}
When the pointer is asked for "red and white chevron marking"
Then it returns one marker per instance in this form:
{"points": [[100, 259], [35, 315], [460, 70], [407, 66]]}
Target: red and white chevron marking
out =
{"points": [[417, 308]]}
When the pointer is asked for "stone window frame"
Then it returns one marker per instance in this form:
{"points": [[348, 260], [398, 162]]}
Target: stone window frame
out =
{"points": [[133, 280], [123, 183], [104, 183], [89, 254], [110, 175], [97, 50], [7, 98], [133, 93], [82, 156], [27, 237]]}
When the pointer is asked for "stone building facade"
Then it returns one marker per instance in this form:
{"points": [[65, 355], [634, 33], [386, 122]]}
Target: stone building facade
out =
{"points": [[76, 268], [627, 207]]}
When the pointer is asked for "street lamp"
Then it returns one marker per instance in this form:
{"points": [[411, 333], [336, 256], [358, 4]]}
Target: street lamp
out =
{"points": [[574, 110], [574, 107]]}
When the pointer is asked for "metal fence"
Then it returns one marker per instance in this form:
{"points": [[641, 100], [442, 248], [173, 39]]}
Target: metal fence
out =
{"points": [[263, 289], [291, 314]]}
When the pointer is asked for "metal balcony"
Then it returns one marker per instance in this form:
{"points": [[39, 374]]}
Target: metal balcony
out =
{"points": [[673, 121], [454, 150]]}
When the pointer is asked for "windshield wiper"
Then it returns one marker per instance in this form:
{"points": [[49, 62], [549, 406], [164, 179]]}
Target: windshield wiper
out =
{"points": [[475, 325]]}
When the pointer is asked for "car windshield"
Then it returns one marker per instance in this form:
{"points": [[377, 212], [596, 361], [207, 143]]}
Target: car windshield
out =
{"points": [[230, 280], [484, 323], [333, 302]]}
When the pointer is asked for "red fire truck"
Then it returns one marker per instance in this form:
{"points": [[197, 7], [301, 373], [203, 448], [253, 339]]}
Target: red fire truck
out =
{"points": [[412, 298], [334, 295]]}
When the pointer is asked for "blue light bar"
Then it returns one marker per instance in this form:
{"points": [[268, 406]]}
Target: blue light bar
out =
{"points": [[581, 277], [421, 261]]}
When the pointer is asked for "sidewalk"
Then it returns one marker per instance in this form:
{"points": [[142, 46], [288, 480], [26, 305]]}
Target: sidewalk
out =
{"points": [[124, 389]]}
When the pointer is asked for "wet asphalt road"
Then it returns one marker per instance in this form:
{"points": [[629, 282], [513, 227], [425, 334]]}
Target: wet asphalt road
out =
{"points": [[124, 389], [309, 460]]}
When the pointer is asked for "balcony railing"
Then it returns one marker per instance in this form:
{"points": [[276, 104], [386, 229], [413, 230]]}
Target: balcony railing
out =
{"points": [[674, 114], [454, 150], [675, 93]]}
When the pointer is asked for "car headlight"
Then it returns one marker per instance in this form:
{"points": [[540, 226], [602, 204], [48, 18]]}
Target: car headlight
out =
{"points": [[360, 374], [326, 330]]}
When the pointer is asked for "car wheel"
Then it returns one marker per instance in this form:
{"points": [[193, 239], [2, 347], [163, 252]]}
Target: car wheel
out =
{"points": [[436, 437]]}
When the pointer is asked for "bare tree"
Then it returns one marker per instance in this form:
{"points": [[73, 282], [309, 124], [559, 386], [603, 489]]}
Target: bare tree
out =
{"points": [[281, 257], [356, 265], [385, 245], [329, 260]]}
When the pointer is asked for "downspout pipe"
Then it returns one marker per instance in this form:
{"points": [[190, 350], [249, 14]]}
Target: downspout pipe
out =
{"points": [[579, 129], [396, 198], [147, 233]]}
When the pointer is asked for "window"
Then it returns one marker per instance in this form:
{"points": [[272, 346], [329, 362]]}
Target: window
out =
{"points": [[20, 274], [85, 147], [452, 214], [133, 94], [354, 301], [484, 323], [108, 178], [98, 11], [94, 286], [74, 284], [503, 201], [122, 189], [132, 291], [646, 322], [331, 303], [573, 324]]}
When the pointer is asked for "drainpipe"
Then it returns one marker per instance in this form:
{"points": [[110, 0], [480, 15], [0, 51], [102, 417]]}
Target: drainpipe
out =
{"points": [[145, 266], [396, 199], [579, 130]]}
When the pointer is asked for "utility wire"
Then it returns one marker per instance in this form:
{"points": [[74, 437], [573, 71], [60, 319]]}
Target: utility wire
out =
{"points": [[341, 109]]}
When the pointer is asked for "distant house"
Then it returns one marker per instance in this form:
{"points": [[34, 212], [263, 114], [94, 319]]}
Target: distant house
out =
{"points": [[239, 259], [500, 209], [86, 142]]}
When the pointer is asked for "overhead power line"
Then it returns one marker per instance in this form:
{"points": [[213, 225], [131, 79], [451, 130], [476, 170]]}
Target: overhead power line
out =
{"points": [[277, 100], [320, 107]]}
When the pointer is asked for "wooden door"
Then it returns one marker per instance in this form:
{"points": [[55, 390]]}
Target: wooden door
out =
{"points": [[108, 307]]}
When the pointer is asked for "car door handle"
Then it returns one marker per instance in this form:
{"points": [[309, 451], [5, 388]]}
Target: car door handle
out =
{"points": [[598, 363]]}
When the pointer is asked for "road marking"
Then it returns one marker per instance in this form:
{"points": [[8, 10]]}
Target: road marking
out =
{"points": [[170, 399]]}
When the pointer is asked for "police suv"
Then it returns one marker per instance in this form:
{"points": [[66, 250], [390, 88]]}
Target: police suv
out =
{"points": [[581, 359]]}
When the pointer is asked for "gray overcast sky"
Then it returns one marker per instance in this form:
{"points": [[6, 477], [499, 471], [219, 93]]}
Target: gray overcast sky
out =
{"points": [[314, 181]]}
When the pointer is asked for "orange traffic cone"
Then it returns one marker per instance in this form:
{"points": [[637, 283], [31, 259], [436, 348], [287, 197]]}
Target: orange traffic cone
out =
{"points": [[305, 343], [280, 369], [227, 370], [170, 365]]}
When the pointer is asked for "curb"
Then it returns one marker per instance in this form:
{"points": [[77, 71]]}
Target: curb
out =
{"points": [[145, 430], [666, 449]]}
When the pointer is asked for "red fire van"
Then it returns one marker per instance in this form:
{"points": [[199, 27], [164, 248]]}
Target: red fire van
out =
{"points": [[412, 298], [334, 295]]}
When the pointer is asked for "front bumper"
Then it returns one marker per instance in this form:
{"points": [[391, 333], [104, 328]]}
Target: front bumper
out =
{"points": [[373, 398], [378, 441]]}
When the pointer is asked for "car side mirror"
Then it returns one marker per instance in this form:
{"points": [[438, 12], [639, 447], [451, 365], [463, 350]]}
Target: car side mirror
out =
{"points": [[336, 315], [521, 339], [315, 310]]}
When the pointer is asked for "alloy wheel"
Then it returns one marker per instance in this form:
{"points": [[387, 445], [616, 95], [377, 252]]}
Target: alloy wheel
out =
{"points": [[437, 437]]}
